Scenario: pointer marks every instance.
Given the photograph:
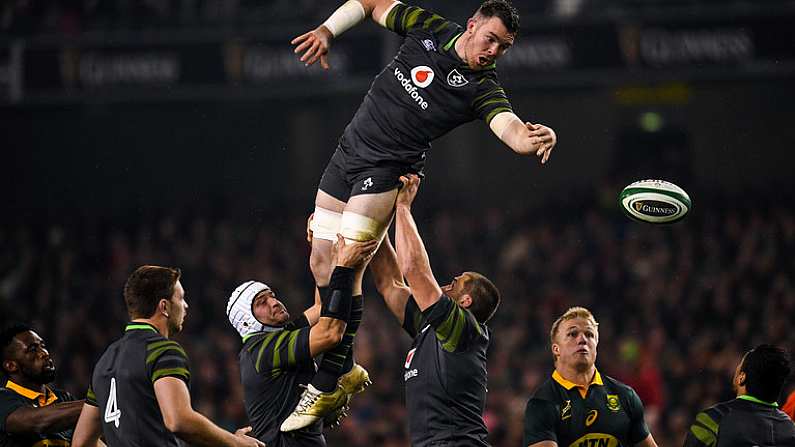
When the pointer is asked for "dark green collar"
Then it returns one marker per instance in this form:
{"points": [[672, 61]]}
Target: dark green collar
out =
{"points": [[758, 401]]}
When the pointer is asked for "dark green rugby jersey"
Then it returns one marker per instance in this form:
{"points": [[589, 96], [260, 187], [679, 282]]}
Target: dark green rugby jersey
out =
{"points": [[744, 421], [272, 366], [122, 386], [424, 92], [445, 375], [13, 397], [610, 414]]}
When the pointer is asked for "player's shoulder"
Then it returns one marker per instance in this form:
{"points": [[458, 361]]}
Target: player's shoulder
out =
{"points": [[7, 394], [547, 391], [615, 386], [411, 18]]}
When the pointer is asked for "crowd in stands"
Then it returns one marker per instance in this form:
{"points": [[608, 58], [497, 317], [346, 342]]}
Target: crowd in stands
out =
{"points": [[72, 17], [677, 305]]}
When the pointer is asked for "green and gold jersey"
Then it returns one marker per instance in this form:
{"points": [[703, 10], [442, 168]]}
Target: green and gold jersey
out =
{"points": [[273, 366], [744, 421], [445, 375], [424, 92], [606, 414], [122, 386], [13, 397]]}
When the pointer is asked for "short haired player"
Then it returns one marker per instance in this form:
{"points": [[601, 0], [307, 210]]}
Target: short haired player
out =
{"points": [[443, 76]]}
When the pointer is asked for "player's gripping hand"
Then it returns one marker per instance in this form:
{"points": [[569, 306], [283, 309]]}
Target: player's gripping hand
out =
{"points": [[315, 45], [543, 140], [309, 233], [353, 254], [406, 195], [244, 440]]}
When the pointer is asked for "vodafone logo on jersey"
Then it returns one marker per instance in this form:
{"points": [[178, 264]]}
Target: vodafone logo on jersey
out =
{"points": [[422, 76]]}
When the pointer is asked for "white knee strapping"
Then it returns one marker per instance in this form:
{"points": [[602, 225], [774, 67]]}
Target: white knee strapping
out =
{"points": [[326, 224], [361, 228]]}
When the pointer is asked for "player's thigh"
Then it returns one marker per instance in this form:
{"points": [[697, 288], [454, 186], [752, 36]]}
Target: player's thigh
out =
{"points": [[377, 206], [372, 203]]}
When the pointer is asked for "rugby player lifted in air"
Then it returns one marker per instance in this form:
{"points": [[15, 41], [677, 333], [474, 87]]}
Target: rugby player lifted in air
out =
{"points": [[443, 76]]}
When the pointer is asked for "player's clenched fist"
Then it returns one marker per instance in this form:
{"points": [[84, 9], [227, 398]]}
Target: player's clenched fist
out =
{"points": [[315, 45], [406, 195]]}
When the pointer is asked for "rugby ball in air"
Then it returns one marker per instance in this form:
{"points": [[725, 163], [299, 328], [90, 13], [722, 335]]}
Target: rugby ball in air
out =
{"points": [[654, 201]]}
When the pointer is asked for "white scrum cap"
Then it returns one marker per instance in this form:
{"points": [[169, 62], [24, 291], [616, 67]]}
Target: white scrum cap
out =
{"points": [[239, 309]]}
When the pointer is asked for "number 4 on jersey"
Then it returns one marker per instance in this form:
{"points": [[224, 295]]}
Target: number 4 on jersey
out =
{"points": [[112, 412]]}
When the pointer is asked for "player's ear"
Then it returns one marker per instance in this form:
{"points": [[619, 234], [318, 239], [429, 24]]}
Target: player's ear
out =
{"points": [[162, 307], [555, 349], [466, 300], [471, 22], [10, 366]]}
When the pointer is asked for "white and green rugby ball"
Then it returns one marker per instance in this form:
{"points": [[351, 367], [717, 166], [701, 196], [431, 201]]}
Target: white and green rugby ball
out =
{"points": [[655, 201]]}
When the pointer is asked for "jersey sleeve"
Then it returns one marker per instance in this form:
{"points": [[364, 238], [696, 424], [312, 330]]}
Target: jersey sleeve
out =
{"points": [[403, 19], [454, 325], [283, 350], [91, 396], [638, 430], [704, 431], [166, 358], [491, 99], [539, 421], [9, 403], [412, 318]]}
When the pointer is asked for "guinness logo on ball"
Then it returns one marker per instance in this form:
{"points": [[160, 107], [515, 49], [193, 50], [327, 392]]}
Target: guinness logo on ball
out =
{"points": [[655, 208]]}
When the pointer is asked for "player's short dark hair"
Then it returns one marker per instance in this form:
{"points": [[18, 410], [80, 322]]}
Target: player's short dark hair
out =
{"points": [[485, 296], [502, 9], [146, 286], [7, 337], [766, 369]]}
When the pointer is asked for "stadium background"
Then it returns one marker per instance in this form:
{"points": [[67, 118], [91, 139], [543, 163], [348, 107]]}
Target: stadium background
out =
{"points": [[185, 133]]}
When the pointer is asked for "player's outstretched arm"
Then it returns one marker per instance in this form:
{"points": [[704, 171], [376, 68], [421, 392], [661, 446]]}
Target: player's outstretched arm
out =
{"points": [[315, 44], [411, 254], [181, 419], [52, 418], [388, 279], [524, 138], [88, 428]]}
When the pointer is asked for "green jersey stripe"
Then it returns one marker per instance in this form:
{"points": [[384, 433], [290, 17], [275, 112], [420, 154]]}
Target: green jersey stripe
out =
{"points": [[451, 42], [265, 342], [704, 435], [708, 422], [157, 344], [153, 355], [145, 327], [277, 361], [444, 329], [494, 113], [291, 348], [181, 372], [442, 26], [390, 19], [452, 343], [497, 90], [429, 21], [411, 18], [502, 101]]}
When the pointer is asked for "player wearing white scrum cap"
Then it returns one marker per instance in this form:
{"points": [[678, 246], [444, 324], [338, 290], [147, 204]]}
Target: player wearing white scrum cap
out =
{"points": [[277, 359]]}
